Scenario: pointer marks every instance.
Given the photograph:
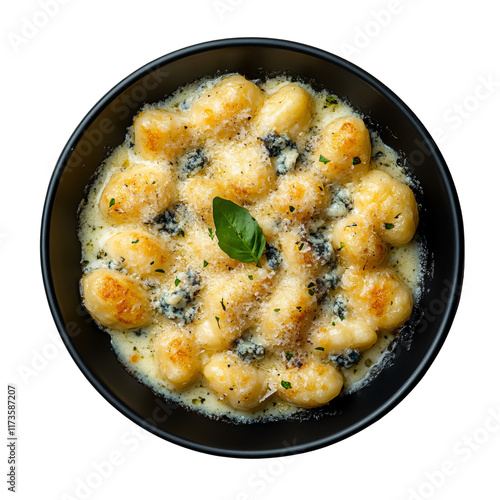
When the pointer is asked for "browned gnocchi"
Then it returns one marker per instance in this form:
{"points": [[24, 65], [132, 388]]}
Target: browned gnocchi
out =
{"points": [[244, 249], [115, 300]]}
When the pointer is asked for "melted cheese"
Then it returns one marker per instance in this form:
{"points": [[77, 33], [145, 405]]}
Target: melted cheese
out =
{"points": [[194, 287]]}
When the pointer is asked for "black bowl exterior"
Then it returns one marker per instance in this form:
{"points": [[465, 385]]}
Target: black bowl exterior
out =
{"points": [[105, 127]]}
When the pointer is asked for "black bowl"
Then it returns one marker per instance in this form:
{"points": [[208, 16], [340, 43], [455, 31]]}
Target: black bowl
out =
{"points": [[104, 128]]}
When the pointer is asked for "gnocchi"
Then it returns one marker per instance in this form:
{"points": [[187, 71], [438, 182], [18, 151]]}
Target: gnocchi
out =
{"points": [[246, 169], [160, 133], [136, 194], [380, 296], [391, 204], [241, 385], [139, 252], [344, 150], [270, 305], [287, 315], [314, 383], [176, 357], [287, 112], [336, 337], [223, 110], [298, 197], [357, 243], [115, 300]]}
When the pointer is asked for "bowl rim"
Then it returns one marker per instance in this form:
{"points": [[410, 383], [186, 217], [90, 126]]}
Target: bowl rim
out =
{"points": [[272, 43]]}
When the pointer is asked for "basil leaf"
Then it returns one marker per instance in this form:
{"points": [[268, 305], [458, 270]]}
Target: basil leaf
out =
{"points": [[238, 233]]}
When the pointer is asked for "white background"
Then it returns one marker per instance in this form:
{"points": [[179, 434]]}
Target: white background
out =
{"points": [[436, 56]]}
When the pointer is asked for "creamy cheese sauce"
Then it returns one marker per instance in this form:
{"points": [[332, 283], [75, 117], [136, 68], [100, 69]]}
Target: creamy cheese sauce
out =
{"points": [[192, 247]]}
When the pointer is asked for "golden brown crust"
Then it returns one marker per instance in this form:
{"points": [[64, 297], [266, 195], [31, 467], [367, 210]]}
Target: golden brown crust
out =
{"points": [[115, 300], [136, 194], [257, 150]]}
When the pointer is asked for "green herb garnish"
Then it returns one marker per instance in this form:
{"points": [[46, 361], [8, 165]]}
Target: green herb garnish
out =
{"points": [[388, 225], [135, 241], [223, 305], [205, 263], [111, 202], [286, 385], [320, 348], [210, 233], [159, 271], [289, 355], [217, 319], [177, 281], [277, 310], [356, 161], [250, 277], [239, 234], [292, 209], [331, 100], [324, 160]]}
